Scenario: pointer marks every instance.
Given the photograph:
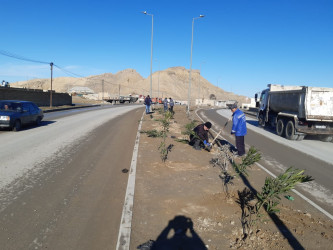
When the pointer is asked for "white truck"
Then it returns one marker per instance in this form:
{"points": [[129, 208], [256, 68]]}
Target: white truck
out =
{"points": [[297, 111], [4, 84]]}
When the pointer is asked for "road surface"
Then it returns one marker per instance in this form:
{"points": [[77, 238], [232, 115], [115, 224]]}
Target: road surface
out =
{"points": [[62, 185]]}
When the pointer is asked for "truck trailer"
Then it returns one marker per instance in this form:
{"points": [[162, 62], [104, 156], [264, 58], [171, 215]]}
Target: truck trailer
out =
{"points": [[297, 111]]}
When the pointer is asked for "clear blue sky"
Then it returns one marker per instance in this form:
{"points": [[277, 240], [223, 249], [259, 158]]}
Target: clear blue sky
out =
{"points": [[240, 45]]}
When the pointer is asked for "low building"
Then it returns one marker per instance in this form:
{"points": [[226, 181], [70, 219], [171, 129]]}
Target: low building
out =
{"points": [[251, 104]]}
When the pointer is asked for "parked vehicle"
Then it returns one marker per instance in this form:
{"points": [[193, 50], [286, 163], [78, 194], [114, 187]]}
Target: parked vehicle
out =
{"points": [[4, 84], [121, 99], [15, 114], [297, 111]]}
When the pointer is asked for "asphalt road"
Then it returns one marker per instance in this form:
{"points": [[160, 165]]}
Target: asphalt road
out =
{"points": [[62, 185], [315, 157]]}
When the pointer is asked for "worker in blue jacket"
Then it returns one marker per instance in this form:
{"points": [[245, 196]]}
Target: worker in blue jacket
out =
{"points": [[238, 128]]}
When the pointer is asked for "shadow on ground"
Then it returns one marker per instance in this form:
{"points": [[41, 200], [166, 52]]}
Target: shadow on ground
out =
{"points": [[178, 234]]}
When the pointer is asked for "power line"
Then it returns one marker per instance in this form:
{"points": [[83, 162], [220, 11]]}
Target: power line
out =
{"points": [[68, 72], [9, 54]]}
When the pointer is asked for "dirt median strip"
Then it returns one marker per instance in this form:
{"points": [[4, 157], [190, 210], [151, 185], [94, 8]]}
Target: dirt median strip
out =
{"points": [[185, 197]]}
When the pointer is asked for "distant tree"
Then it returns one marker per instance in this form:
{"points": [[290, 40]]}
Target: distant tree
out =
{"points": [[212, 97]]}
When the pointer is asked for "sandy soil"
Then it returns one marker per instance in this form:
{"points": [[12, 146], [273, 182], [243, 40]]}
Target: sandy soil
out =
{"points": [[183, 202]]}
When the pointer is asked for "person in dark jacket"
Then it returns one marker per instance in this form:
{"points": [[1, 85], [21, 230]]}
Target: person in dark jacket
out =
{"points": [[200, 138], [147, 103], [171, 103], [238, 128]]}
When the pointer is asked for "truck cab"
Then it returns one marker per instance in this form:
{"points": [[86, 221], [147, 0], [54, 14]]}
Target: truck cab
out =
{"points": [[262, 103], [263, 100]]}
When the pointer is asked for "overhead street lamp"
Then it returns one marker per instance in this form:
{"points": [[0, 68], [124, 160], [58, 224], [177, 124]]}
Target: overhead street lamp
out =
{"points": [[151, 51], [189, 84]]}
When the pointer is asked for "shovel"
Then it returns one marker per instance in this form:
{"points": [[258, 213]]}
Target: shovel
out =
{"points": [[218, 134]]}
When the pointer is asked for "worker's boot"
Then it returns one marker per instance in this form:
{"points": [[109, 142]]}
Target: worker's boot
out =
{"points": [[196, 145]]}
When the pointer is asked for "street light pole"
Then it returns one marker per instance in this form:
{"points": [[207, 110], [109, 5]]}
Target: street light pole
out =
{"points": [[199, 79], [189, 84], [151, 51], [158, 81], [51, 101]]}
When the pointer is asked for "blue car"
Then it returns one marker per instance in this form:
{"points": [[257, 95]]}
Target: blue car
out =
{"points": [[15, 114]]}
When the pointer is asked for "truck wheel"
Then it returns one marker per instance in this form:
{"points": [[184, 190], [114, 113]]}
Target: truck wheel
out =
{"points": [[261, 120], [290, 131], [326, 138], [280, 127]]}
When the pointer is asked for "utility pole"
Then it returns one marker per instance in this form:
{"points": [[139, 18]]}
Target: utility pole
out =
{"points": [[158, 81], [189, 83], [199, 103], [51, 64], [200, 79], [158, 88], [151, 52]]}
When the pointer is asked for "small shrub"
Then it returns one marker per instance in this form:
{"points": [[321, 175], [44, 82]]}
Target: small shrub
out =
{"points": [[159, 110], [273, 188], [245, 198], [251, 157], [223, 158], [189, 128], [152, 133], [165, 122], [164, 151], [185, 141], [227, 180]]}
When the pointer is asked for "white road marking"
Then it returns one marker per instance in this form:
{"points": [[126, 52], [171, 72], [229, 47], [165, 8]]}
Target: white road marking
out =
{"points": [[124, 236]]}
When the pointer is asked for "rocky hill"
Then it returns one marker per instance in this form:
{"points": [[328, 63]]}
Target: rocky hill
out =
{"points": [[172, 82]]}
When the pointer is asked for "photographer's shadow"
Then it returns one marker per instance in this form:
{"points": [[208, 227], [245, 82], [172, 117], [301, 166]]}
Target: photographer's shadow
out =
{"points": [[179, 234]]}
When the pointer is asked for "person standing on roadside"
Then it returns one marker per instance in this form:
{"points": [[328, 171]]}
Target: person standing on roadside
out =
{"points": [[171, 103], [238, 128], [147, 103], [165, 104]]}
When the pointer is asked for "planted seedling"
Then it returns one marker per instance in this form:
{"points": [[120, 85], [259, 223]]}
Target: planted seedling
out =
{"points": [[251, 157], [273, 188]]}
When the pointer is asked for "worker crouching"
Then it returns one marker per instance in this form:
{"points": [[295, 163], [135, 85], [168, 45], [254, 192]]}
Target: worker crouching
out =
{"points": [[199, 139]]}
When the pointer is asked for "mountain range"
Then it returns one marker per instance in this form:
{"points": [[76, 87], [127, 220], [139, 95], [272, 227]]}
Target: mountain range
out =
{"points": [[172, 82]]}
